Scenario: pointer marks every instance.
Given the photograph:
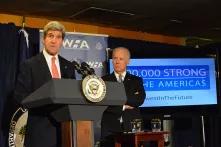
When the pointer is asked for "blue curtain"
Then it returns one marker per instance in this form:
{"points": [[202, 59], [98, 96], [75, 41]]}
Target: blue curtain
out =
{"points": [[13, 51]]}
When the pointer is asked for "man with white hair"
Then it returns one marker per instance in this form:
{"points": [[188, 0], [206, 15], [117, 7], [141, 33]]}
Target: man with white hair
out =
{"points": [[117, 119]]}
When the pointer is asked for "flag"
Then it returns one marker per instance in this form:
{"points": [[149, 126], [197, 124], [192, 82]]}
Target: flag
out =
{"points": [[18, 120], [28, 46], [24, 52]]}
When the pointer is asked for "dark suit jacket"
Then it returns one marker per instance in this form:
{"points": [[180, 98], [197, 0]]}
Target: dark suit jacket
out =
{"points": [[42, 130], [135, 93]]}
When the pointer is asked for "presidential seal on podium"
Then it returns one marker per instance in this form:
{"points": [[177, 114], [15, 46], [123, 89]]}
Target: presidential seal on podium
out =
{"points": [[17, 129], [94, 88]]}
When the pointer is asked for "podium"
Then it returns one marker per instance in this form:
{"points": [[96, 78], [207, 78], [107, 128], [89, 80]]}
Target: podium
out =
{"points": [[69, 104]]}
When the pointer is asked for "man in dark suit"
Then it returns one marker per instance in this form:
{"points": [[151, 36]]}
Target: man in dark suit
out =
{"points": [[42, 129], [118, 118]]}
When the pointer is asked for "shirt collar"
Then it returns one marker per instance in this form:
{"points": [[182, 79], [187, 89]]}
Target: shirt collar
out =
{"points": [[123, 74], [48, 56]]}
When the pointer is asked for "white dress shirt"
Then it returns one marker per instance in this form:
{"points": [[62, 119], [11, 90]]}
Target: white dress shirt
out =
{"points": [[48, 59]]}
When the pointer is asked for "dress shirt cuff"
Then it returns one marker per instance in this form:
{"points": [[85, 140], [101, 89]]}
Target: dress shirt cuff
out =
{"points": [[124, 107]]}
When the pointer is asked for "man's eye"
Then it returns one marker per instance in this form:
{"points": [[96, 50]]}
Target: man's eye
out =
{"points": [[59, 37], [51, 36]]}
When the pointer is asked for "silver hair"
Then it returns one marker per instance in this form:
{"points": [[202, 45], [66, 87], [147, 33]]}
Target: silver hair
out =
{"points": [[122, 48], [54, 26]]}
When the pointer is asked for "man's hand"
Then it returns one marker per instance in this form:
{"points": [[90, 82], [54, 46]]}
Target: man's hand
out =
{"points": [[128, 107]]}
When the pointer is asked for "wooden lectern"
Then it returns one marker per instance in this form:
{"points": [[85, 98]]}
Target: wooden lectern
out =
{"points": [[66, 96], [136, 139]]}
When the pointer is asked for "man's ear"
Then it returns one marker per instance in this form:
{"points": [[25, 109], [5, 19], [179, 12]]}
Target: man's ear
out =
{"points": [[128, 61]]}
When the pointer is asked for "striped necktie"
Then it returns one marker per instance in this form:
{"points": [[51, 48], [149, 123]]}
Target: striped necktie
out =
{"points": [[120, 80]]}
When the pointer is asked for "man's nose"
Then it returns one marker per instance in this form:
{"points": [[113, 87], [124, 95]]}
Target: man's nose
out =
{"points": [[117, 60], [53, 39]]}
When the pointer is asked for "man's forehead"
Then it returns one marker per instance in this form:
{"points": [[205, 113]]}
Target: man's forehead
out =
{"points": [[54, 32]]}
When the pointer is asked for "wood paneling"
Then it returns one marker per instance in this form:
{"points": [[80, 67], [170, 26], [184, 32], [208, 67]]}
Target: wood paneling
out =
{"points": [[35, 22]]}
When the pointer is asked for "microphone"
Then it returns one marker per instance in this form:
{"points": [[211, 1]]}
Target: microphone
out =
{"points": [[87, 69], [78, 67]]}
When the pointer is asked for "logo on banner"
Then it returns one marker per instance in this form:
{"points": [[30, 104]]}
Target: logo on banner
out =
{"points": [[17, 129], [99, 46], [94, 88], [76, 44], [95, 64]]}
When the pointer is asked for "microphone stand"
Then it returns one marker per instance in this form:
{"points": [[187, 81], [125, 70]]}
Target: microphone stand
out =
{"points": [[203, 131], [107, 53]]}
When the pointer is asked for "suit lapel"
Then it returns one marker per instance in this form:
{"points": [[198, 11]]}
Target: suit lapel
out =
{"points": [[127, 77], [63, 67], [113, 77], [45, 69]]}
